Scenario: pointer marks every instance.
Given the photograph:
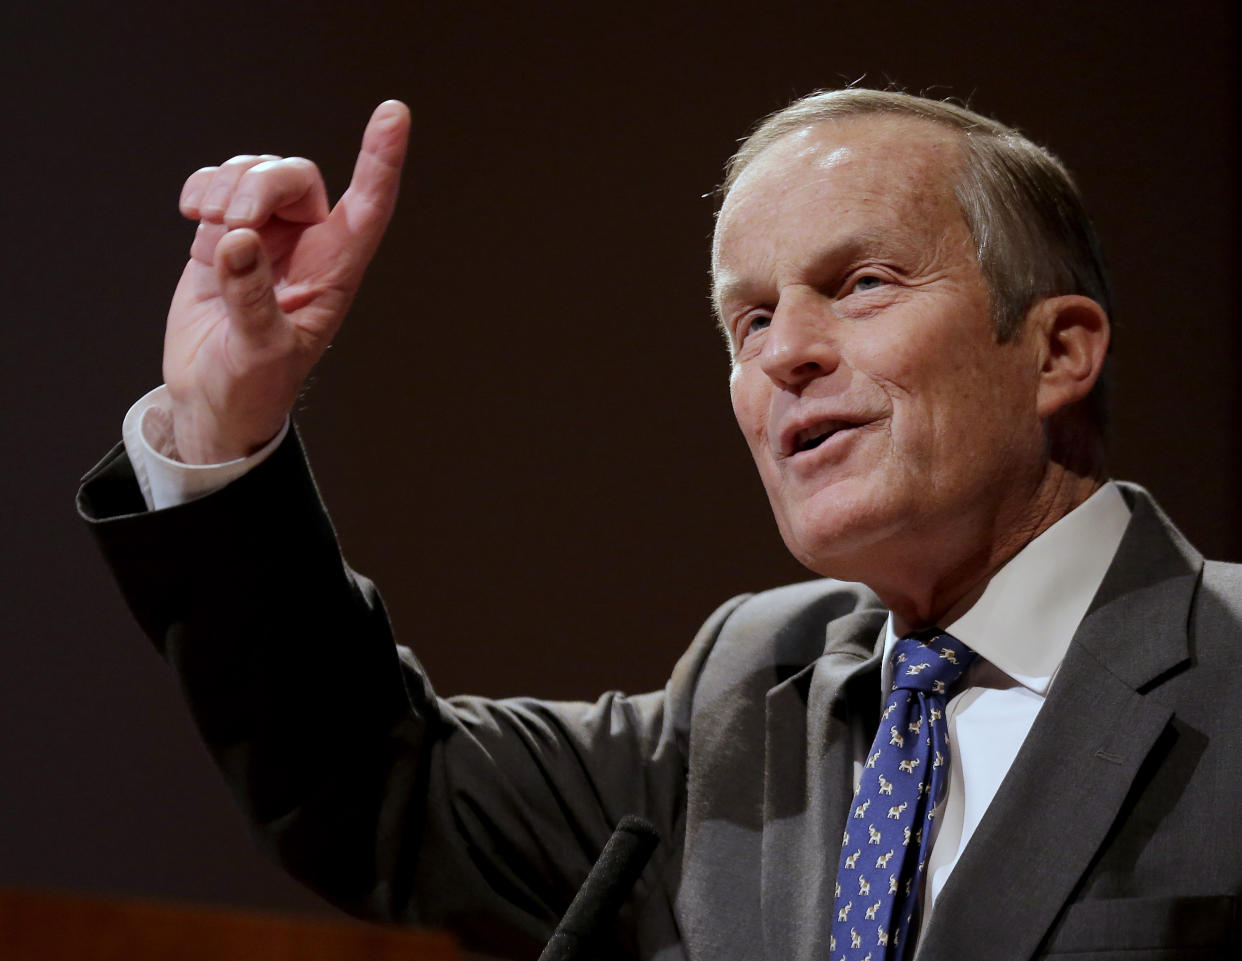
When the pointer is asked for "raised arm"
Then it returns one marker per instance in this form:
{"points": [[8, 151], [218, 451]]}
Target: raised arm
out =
{"points": [[481, 816], [271, 274]]}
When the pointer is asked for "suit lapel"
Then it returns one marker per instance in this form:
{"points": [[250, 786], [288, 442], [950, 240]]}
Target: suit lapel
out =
{"points": [[1071, 777], [1048, 819], [813, 721]]}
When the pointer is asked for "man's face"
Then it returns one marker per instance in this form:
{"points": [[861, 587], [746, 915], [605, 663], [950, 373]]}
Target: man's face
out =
{"points": [[883, 416]]}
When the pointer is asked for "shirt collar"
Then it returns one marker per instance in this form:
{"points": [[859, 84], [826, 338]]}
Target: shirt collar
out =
{"points": [[1025, 618]]}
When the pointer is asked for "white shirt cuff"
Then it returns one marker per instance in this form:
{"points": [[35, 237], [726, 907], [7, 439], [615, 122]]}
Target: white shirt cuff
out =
{"points": [[165, 481]]}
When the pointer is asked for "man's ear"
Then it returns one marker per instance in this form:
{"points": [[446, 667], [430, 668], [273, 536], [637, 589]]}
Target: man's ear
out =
{"points": [[1072, 333]]}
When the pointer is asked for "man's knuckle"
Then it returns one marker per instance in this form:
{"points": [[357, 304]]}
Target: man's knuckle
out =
{"points": [[306, 170], [250, 181]]}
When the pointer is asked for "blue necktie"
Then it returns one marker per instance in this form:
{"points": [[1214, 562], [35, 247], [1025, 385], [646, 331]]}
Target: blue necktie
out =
{"points": [[887, 836]]}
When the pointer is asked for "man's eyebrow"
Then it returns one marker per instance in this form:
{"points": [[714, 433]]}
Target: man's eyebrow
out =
{"points": [[832, 255], [729, 290]]}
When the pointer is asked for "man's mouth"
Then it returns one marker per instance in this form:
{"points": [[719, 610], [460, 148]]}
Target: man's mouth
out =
{"points": [[811, 437]]}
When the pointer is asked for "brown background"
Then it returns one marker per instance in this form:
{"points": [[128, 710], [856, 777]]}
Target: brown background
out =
{"points": [[523, 431]]}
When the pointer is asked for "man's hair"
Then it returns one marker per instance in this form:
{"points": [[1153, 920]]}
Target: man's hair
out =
{"points": [[1026, 217]]}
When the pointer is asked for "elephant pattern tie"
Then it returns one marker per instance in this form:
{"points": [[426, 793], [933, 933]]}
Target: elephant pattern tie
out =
{"points": [[887, 838]]}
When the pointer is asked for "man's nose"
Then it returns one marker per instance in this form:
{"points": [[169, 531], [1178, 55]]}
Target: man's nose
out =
{"points": [[801, 340]]}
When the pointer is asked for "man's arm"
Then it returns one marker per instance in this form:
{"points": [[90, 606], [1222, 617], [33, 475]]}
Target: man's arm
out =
{"points": [[481, 816], [478, 815]]}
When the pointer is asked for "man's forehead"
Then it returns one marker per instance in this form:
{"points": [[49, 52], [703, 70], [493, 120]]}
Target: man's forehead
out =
{"points": [[888, 148], [821, 146], [883, 160]]}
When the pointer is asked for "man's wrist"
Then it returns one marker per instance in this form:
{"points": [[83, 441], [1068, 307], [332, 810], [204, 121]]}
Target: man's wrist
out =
{"points": [[165, 478]]}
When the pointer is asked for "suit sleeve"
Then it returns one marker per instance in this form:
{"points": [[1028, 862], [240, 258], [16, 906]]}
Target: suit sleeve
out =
{"points": [[480, 816]]}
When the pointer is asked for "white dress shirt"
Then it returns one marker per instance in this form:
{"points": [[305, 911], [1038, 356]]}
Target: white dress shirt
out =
{"points": [[1020, 625]]}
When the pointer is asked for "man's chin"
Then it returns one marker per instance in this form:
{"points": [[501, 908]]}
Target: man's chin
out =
{"points": [[846, 542]]}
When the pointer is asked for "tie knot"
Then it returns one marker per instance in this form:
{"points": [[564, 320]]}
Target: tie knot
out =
{"points": [[929, 661]]}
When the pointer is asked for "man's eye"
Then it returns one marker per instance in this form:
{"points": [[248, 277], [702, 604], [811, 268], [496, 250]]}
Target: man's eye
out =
{"points": [[752, 325], [868, 282]]}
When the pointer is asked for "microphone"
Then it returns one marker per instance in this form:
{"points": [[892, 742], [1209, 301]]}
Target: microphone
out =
{"points": [[604, 891]]}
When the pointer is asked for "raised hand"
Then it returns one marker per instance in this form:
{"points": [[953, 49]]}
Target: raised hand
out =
{"points": [[271, 274]]}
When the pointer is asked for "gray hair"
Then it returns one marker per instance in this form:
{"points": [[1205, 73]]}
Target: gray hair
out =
{"points": [[1026, 217]]}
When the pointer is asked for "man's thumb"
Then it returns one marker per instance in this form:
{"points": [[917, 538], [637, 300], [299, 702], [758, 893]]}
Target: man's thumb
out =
{"points": [[245, 276]]}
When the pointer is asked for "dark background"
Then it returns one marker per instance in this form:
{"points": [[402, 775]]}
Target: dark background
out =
{"points": [[523, 430]]}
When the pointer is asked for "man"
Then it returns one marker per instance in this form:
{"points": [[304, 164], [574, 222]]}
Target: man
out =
{"points": [[918, 322]]}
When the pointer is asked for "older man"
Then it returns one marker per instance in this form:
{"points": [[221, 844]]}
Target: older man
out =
{"points": [[1019, 740]]}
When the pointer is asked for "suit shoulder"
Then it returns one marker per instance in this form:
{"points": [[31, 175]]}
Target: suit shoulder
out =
{"points": [[777, 631], [1216, 620], [1220, 591], [784, 610], [1224, 578]]}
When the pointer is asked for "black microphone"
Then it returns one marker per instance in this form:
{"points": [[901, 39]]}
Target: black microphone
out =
{"points": [[604, 891]]}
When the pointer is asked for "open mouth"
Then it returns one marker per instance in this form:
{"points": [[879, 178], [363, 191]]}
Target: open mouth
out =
{"points": [[811, 437]]}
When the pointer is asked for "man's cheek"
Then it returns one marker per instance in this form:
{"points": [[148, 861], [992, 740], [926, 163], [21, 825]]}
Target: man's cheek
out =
{"points": [[750, 419]]}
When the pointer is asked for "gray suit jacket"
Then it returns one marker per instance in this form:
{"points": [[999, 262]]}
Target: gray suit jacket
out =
{"points": [[1117, 832]]}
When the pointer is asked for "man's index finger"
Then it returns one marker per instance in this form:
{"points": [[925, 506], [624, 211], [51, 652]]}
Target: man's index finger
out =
{"points": [[372, 193]]}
